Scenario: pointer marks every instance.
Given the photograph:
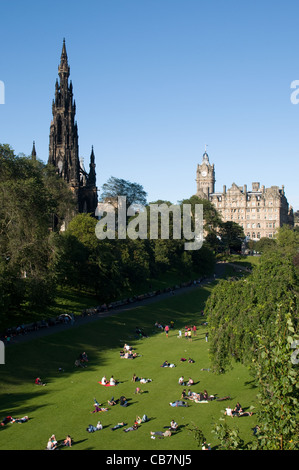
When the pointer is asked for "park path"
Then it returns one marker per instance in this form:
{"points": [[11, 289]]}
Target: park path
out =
{"points": [[79, 321]]}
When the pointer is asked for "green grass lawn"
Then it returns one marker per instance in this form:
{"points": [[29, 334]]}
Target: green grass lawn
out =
{"points": [[64, 405]]}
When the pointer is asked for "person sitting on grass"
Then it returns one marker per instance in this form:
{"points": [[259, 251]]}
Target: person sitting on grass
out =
{"points": [[184, 395], [190, 382], [39, 382], [138, 391], [83, 357], [229, 412], [165, 364], [52, 443], [112, 381], [181, 381], [238, 409], [173, 425], [67, 441], [123, 401], [104, 380]]}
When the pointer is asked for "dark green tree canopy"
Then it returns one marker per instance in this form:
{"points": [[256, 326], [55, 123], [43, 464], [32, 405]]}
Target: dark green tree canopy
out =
{"points": [[115, 187]]}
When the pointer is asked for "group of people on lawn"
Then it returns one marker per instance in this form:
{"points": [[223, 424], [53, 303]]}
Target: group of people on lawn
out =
{"points": [[127, 352]]}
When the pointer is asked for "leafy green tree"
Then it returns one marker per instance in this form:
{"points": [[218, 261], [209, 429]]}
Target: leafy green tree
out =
{"points": [[276, 372], [115, 187], [236, 309], [27, 202], [264, 244], [229, 438], [197, 434], [232, 236], [212, 220]]}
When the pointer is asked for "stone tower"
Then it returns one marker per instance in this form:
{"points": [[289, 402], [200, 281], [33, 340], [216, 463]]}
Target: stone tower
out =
{"points": [[205, 177], [63, 142]]}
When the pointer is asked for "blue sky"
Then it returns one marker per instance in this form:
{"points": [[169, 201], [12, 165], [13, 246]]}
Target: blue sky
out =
{"points": [[156, 80]]}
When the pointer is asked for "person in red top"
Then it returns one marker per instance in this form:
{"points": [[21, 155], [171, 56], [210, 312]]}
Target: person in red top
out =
{"points": [[38, 381], [6, 420], [166, 330]]}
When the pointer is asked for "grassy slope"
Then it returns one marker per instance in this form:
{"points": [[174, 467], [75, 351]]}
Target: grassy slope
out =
{"points": [[69, 300], [64, 405]]}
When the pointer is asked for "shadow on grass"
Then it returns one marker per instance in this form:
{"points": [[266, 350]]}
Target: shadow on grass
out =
{"points": [[47, 356]]}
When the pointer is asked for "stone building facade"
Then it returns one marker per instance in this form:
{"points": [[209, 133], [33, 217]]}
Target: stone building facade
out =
{"points": [[260, 211], [64, 146]]}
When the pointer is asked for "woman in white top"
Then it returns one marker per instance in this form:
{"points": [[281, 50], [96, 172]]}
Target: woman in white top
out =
{"points": [[104, 380], [112, 381], [181, 380]]}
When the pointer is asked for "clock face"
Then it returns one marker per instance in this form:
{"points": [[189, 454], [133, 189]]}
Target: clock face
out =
{"points": [[204, 173]]}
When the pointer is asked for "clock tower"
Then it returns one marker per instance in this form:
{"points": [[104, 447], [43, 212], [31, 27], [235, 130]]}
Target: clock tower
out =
{"points": [[205, 177]]}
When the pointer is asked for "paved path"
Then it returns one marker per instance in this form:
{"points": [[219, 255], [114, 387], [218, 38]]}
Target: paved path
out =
{"points": [[79, 321]]}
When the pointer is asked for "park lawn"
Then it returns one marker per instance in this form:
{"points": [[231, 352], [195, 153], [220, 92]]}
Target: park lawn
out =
{"points": [[64, 405]]}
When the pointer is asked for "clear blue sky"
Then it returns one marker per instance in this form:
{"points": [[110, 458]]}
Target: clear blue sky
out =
{"points": [[156, 80]]}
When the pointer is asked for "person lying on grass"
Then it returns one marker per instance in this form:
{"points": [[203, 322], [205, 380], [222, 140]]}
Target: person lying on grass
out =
{"points": [[92, 428], [178, 403], [98, 409], [144, 381], [10, 419], [160, 433], [118, 425], [132, 428], [111, 402]]}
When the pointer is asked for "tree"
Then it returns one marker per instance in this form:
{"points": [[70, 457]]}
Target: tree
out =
{"points": [[236, 309], [115, 187], [264, 244], [277, 380], [232, 236], [212, 220], [27, 202]]}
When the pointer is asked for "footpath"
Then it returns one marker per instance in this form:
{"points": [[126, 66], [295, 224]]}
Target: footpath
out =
{"points": [[82, 320]]}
